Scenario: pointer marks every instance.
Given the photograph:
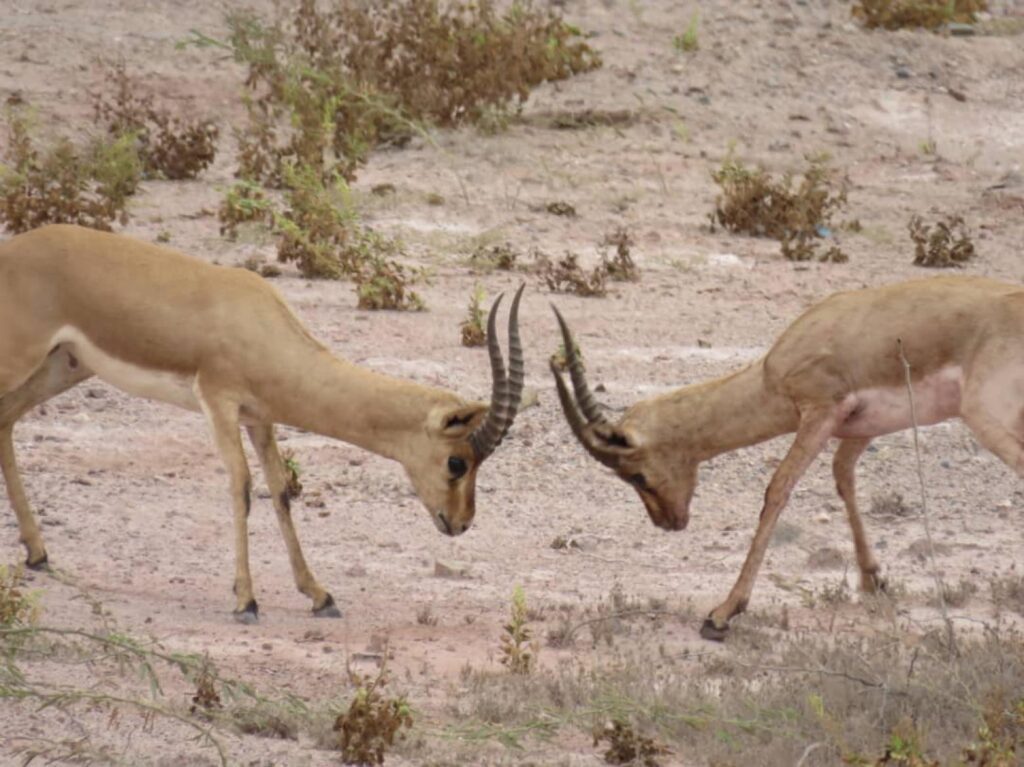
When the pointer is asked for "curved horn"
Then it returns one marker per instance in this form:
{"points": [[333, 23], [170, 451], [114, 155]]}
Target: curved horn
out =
{"points": [[576, 423], [506, 390], [585, 398]]}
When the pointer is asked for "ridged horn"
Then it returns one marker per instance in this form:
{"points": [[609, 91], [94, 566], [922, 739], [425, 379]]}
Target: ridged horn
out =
{"points": [[584, 397], [506, 391], [578, 425]]}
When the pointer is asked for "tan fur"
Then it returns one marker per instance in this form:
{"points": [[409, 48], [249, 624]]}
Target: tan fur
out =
{"points": [[835, 372], [217, 339]]}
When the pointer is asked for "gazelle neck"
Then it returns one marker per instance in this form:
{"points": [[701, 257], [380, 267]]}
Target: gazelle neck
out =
{"points": [[724, 414], [339, 399]]}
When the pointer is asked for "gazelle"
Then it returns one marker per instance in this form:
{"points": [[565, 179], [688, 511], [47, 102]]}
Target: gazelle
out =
{"points": [[75, 303], [837, 371]]}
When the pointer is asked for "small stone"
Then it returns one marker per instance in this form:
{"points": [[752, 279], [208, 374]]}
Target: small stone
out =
{"points": [[450, 569], [903, 73]]}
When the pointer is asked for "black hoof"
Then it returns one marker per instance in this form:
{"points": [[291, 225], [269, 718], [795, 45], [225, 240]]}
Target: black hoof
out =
{"points": [[327, 610], [40, 564], [248, 616], [712, 632]]}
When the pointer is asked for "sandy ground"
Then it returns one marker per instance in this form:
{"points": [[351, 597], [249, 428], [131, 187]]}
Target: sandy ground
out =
{"points": [[133, 498]]}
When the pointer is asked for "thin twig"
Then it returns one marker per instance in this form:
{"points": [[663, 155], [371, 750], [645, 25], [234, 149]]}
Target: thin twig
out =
{"points": [[939, 590]]}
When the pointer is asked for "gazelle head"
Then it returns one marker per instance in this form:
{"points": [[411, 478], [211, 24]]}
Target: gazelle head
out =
{"points": [[459, 436], [662, 474]]}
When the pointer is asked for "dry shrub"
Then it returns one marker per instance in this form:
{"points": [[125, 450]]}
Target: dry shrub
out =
{"points": [[502, 257], [620, 267], [625, 746], [206, 699], [326, 86], [946, 244], [566, 276], [1008, 593], [170, 146], [17, 608], [368, 728], [383, 283], [560, 208], [774, 693], [930, 14], [65, 183], [752, 202], [472, 328]]}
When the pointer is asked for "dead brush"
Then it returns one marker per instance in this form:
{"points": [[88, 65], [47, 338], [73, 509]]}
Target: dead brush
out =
{"points": [[472, 327], [566, 276], [1008, 593], [518, 651], [946, 244], [366, 731], [17, 608], [799, 217], [620, 267], [503, 257], [930, 14], [206, 698], [64, 183], [625, 746], [327, 86], [170, 146]]}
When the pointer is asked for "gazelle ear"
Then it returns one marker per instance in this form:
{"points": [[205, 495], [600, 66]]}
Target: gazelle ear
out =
{"points": [[614, 438], [459, 421]]}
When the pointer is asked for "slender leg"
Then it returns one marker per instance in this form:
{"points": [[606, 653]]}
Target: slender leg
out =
{"points": [[262, 438], [223, 419], [816, 426], [996, 438], [843, 466], [58, 373]]}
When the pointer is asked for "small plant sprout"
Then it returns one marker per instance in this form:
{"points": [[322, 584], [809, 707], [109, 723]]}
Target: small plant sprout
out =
{"points": [[473, 332], [517, 650], [17, 608], [688, 42], [292, 473]]}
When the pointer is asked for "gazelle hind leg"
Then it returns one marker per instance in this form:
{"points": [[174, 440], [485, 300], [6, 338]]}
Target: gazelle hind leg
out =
{"points": [[843, 469], [59, 372], [222, 416], [262, 438]]}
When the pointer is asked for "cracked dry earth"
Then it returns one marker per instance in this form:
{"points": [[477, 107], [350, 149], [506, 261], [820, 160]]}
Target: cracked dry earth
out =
{"points": [[133, 499]]}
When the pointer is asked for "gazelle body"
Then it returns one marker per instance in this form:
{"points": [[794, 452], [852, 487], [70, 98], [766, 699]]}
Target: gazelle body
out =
{"points": [[155, 323], [836, 372]]}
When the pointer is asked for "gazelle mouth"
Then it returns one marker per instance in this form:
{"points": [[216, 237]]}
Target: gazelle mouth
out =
{"points": [[443, 524]]}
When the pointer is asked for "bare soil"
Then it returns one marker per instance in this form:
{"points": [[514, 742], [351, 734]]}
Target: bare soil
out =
{"points": [[133, 498]]}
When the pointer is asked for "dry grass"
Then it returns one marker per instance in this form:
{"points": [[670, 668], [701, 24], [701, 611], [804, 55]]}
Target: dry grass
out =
{"points": [[945, 244], [930, 14]]}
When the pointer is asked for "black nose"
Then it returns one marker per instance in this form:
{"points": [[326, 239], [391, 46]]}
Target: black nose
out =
{"points": [[445, 522]]}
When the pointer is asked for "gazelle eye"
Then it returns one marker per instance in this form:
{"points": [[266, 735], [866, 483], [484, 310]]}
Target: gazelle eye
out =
{"points": [[639, 481], [456, 466]]}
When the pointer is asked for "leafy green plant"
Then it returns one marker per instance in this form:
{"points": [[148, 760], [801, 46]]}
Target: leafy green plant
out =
{"points": [[752, 202], [245, 202], [370, 725], [293, 472], [930, 14], [383, 283], [472, 328], [945, 244], [518, 651], [64, 183], [688, 41]]}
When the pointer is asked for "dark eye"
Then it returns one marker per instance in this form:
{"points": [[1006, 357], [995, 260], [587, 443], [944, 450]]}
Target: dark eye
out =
{"points": [[639, 481], [456, 466]]}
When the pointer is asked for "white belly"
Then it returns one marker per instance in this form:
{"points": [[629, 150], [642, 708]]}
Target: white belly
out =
{"points": [[885, 410], [168, 387]]}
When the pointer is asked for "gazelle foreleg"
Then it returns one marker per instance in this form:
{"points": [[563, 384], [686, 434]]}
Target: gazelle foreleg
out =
{"points": [[59, 372], [843, 469], [816, 426], [222, 415], [262, 438]]}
